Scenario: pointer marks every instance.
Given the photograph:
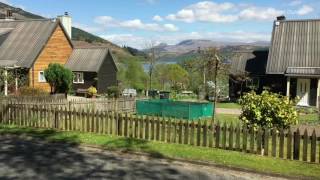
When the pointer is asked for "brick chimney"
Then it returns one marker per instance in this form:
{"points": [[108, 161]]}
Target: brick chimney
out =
{"points": [[66, 21]]}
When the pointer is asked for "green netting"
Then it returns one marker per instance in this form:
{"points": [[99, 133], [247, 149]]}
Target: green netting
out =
{"points": [[175, 109]]}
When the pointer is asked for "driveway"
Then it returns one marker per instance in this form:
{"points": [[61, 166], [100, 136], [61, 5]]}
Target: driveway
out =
{"points": [[27, 158]]}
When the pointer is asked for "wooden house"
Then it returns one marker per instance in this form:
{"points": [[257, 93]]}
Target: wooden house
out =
{"points": [[295, 56], [93, 66], [293, 64], [31, 45]]}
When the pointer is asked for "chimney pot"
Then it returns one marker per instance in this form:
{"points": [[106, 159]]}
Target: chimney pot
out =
{"points": [[281, 18], [66, 13]]}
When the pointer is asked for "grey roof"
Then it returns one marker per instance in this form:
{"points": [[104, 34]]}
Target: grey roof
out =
{"points": [[23, 41], [88, 59], [295, 43], [249, 62], [303, 71]]}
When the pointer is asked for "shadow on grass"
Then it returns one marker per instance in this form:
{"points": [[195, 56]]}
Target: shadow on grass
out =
{"points": [[131, 145]]}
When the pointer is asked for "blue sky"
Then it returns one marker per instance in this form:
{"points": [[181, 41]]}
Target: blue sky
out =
{"points": [[137, 22]]}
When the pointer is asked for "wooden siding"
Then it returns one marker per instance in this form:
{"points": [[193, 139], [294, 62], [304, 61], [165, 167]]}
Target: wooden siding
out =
{"points": [[107, 75], [57, 50], [89, 80]]}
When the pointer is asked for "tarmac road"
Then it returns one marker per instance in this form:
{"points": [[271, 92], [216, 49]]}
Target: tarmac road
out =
{"points": [[28, 158]]}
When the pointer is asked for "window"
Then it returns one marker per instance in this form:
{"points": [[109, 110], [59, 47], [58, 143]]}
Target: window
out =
{"points": [[78, 78], [41, 77]]}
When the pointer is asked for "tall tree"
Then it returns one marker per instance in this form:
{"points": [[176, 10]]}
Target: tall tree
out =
{"points": [[152, 57]]}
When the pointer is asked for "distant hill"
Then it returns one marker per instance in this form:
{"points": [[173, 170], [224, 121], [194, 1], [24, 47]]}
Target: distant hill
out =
{"points": [[193, 44], [77, 34], [188, 49]]}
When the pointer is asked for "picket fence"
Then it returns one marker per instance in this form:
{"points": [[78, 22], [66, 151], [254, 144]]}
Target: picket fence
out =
{"points": [[281, 143], [123, 104]]}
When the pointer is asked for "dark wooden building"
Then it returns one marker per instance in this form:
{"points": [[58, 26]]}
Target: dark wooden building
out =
{"points": [[247, 72], [292, 67], [295, 56], [93, 66]]}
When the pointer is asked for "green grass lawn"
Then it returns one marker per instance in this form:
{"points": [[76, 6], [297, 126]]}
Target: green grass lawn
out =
{"points": [[158, 149], [305, 119], [229, 105]]}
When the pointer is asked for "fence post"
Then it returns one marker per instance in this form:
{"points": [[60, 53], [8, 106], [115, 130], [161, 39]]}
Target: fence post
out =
{"points": [[252, 140], [163, 129], [169, 131], [244, 139], [205, 133], [289, 144], [192, 133], [186, 132], [259, 141], [296, 145], [231, 136], [217, 143], [56, 121], [313, 146], [238, 137], [305, 145], [199, 126], [281, 143], [274, 142], [266, 142]]}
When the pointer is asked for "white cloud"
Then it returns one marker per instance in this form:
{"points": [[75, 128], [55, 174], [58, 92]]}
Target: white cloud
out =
{"points": [[204, 11], [254, 13], [5, 1], [141, 41], [135, 24], [171, 27], [304, 10], [157, 18], [208, 11], [295, 3]]}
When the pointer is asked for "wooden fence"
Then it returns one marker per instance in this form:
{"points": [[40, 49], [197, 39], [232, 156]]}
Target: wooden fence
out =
{"points": [[267, 142], [124, 104]]}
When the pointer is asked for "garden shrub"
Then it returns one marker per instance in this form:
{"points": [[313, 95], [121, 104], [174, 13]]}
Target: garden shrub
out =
{"points": [[92, 91], [113, 91], [59, 78], [267, 110]]}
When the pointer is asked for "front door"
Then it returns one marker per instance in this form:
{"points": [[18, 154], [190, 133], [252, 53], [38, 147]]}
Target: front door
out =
{"points": [[303, 91]]}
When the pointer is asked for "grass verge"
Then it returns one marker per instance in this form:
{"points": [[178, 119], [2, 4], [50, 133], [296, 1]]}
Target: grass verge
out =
{"points": [[229, 105], [158, 149]]}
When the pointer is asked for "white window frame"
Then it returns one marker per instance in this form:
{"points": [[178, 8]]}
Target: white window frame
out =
{"points": [[78, 78], [40, 79]]}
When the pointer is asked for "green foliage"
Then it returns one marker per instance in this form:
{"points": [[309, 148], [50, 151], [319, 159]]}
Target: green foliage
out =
{"points": [[92, 91], [114, 91], [173, 75], [59, 78], [30, 91], [135, 77], [267, 110]]}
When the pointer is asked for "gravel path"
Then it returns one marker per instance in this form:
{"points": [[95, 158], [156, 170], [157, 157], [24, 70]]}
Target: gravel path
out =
{"points": [[27, 158]]}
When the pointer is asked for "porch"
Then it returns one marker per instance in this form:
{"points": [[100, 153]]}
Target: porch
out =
{"points": [[303, 82]]}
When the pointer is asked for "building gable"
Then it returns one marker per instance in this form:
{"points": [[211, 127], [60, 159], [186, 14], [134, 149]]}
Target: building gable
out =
{"points": [[57, 50]]}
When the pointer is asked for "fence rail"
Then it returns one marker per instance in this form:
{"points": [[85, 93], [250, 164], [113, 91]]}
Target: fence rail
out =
{"points": [[125, 104], [267, 142]]}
